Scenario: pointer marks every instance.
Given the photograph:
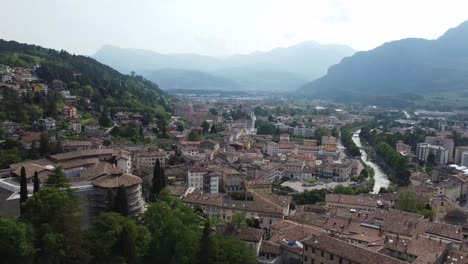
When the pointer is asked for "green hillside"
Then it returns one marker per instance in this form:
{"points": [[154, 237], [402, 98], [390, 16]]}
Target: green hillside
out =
{"points": [[108, 86]]}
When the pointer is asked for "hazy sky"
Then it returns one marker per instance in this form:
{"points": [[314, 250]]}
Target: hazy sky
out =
{"points": [[221, 27]]}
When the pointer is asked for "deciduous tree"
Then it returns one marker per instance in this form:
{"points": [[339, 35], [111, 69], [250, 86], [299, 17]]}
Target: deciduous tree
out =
{"points": [[16, 244], [58, 179]]}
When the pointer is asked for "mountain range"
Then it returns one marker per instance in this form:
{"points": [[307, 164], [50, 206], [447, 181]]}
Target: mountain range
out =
{"points": [[400, 70], [278, 69]]}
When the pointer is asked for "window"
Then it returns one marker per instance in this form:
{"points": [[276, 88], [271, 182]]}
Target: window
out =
{"points": [[340, 261], [331, 257], [313, 250], [305, 259]]}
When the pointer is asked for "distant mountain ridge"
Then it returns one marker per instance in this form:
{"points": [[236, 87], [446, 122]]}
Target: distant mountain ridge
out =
{"points": [[290, 67], [408, 66]]}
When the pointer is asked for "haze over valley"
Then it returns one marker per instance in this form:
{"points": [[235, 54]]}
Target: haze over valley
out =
{"points": [[282, 69]]}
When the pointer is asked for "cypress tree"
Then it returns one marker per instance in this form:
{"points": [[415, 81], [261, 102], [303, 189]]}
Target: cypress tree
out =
{"points": [[205, 244], [104, 119], [36, 182], [156, 179], [44, 147], [23, 189], [206, 127], [163, 127], [58, 179], [121, 202], [33, 152]]}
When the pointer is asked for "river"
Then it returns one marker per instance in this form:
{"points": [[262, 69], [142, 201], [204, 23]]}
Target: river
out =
{"points": [[381, 179]]}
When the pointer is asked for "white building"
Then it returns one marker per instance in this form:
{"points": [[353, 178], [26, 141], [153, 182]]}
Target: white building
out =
{"points": [[302, 131], [458, 154], [464, 159], [424, 149], [272, 148], [204, 180]]}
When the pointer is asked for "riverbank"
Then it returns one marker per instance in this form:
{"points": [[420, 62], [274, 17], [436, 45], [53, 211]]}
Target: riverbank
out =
{"points": [[380, 177]]}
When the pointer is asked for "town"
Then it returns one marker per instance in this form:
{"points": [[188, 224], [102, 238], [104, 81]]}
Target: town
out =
{"points": [[302, 180]]}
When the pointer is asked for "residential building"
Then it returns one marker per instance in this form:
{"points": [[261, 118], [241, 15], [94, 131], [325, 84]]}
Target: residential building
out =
{"points": [[293, 170], [284, 137], [184, 110], [352, 202], [464, 159], [336, 171], [447, 143], [75, 126], [267, 208], [450, 188], [328, 249], [45, 124], [69, 112], [302, 131], [424, 149], [272, 148], [203, 179], [402, 148], [271, 171], [329, 142], [27, 139], [76, 145], [458, 154], [110, 182]]}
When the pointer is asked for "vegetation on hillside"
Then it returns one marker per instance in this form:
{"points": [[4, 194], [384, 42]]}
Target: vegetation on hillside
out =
{"points": [[85, 76]]}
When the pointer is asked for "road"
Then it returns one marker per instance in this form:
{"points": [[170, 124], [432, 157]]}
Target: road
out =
{"points": [[110, 128], [406, 114]]}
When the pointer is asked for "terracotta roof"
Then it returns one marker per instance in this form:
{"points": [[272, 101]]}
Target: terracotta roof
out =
{"points": [[81, 154], [96, 171], [30, 168], [214, 199], [426, 250], [77, 143], [271, 248], [244, 233], [176, 190], [31, 136], [77, 163], [349, 251], [116, 179], [358, 200], [328, 140]]}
